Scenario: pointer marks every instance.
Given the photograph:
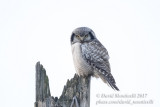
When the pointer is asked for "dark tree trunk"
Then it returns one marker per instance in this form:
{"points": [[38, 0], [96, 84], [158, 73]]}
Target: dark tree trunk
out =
{"points": [[76, 92]]}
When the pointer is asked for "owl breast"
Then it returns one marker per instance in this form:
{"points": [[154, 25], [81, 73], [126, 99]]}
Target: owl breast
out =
{"points": [[82, 67]]}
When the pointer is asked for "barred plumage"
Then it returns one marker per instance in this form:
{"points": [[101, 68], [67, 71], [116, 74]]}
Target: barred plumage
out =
{"points": [[90, 56]]}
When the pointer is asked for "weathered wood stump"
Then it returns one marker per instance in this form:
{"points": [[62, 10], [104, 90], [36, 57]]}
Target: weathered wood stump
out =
{"points": [[76, 92]]}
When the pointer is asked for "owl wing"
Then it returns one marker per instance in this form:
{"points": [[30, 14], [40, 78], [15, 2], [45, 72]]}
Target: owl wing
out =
{"points": [[97, 56]]}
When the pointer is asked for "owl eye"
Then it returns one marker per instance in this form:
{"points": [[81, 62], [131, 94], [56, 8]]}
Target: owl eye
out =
{"points": [[77, 36], [86, 36]]}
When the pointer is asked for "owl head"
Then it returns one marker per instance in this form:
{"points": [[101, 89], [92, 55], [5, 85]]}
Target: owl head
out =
{"points": [[82, 34]]}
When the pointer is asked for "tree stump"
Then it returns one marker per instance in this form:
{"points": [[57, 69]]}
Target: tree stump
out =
{"points": [[76, 92]]}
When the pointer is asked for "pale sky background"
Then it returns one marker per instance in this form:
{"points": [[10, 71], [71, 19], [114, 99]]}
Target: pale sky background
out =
{"points": [[39, 30]]}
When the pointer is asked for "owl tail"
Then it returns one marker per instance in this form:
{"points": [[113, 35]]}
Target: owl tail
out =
{"points": [[108, 78], [111, 81]]}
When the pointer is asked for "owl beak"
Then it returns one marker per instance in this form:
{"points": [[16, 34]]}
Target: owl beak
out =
{"points": [[81, 39]]}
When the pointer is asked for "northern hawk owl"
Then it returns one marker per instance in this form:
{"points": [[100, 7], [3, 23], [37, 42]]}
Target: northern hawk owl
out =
{"points": [[90, 57]]}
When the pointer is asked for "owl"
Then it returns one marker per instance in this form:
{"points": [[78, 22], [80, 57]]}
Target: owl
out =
{"points": [[90, 57]]}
